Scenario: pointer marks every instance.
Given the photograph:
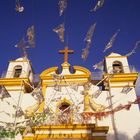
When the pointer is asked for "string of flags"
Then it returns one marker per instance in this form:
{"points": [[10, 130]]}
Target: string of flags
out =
{"points": [[89, 35], [62, 6], [31, 36], [24, 43], [99, 4], [134, 49], [60, 30], [4, 93], [111, 41], [103, 114], [37, 94], [88, 40]]}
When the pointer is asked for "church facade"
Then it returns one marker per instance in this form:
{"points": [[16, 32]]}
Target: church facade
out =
{"points": [[69, 104]]}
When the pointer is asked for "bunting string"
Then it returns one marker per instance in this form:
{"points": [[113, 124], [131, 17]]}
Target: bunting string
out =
{"points": [[104, 114]]}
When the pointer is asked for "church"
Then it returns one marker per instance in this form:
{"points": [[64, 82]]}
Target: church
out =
{"points": [[70, 103]]}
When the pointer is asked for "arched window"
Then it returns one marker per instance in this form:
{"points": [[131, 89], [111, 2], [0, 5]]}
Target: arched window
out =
{"points": [[17, 71], [117, 67], [65, 114], [64, 106]]}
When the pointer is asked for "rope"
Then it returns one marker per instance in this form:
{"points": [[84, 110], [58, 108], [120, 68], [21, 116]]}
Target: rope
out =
{"points": [[18, 105], [112, 115]]}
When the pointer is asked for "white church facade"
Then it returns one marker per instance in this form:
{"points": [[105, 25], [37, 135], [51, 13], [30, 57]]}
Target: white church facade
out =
{"points": [[69, 104]]}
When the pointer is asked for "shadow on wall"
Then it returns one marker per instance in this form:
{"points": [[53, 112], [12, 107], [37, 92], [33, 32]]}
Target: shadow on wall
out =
{"points": [[124, 136], [138, 86], [121, 136], [137, 136]]}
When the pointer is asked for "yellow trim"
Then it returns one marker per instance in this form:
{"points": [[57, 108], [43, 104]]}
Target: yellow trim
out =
{"points": [[52, 83], [67, 76], [62, 101], [86, 101], [16, 82], [116, 57], [13, 81], [24, 60], [85, 136], [14, 89], [41, 106], [122, 86], [45, 74], [122, 77], [79, 68], [47, 71]]}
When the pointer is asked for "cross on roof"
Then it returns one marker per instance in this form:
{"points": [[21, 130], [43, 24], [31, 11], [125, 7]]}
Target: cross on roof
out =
{"points": [[66, 51]]}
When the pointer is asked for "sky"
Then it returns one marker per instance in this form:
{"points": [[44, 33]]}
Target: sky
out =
{"points": [[44, 15]]}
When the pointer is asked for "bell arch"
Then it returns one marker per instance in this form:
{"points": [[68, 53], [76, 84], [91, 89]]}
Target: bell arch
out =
{"points": [[117, 67]]}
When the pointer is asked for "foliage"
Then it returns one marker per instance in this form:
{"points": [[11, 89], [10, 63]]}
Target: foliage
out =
{"points": [[7, 134]]}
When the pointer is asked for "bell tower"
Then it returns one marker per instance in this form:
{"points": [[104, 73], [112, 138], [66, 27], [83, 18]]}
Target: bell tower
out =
{"points": [[120, 82], [19, 76], [115, 63]]}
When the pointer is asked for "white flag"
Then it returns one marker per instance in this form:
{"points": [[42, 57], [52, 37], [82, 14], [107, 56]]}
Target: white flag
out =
{"points": [[19, 112], [31, 36], [4, 93], [85, 53], [57, 78], [126, 89], [134, 49], [99, 4], [60, 31], [57, 87], [99, 65], [112, 40], [97, 93], [89, 35], [22, 45], [62, 6], [74, 86], [19, 8], [37, 94]]}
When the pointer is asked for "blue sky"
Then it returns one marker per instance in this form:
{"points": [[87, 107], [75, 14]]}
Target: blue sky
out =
{"points": [[44, 15]]}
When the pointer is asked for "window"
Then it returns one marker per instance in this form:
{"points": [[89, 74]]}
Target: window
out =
{"points": [[64, 106], [117, 67], [65, 114], [17, 71]]}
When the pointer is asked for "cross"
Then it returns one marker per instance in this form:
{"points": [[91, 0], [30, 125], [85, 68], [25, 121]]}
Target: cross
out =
{"points": [[66, 51]]}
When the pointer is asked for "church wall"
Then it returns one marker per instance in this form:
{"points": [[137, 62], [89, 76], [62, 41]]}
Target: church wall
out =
{"points": [[53, 96], [126, 121]]}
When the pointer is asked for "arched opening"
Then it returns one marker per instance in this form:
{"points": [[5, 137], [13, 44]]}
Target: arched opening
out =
{"points": [[65, 113], [117, 67], [64, 107], [17, 71]]}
